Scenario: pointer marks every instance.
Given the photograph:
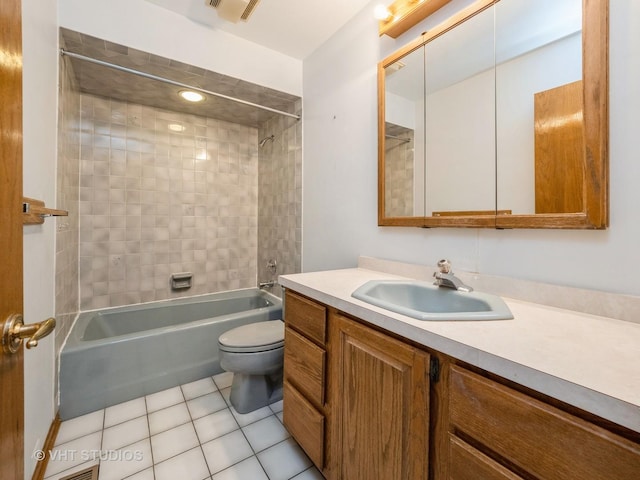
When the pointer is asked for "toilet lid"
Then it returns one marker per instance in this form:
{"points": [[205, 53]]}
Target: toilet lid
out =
{"points": [[254, 337]]}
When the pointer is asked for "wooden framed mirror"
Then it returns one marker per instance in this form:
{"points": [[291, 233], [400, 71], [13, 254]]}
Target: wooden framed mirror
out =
{"points": [[498, 118]]}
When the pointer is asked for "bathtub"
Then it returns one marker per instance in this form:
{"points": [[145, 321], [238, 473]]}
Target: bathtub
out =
{"points": [[122, 353]]}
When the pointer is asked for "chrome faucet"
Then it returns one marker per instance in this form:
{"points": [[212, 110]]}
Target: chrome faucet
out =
{"points": [[269, 284], [445, 278]]}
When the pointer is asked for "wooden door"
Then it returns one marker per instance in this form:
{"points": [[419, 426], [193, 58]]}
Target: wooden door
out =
{"points": [[559, 149], [381, 404], [11, 365]]}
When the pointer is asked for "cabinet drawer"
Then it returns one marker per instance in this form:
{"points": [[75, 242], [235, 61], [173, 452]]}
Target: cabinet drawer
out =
{"points": [[306, 316], [538, 438], [467, 463], [304, 423], [304, 364]]}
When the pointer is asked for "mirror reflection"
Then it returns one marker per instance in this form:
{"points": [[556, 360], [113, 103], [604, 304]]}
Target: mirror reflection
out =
{"points": [[539, 127], [404, 136], [487, 117], [460, 108]]}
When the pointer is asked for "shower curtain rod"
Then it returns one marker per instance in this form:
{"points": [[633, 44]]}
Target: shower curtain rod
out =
{"points": [[174, 83]]}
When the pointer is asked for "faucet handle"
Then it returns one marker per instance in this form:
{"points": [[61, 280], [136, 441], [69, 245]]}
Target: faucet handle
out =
{"points": [[444, 266]]}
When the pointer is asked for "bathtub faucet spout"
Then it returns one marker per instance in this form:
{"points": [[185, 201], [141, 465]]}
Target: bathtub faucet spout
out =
{"points": [[269, 284]]}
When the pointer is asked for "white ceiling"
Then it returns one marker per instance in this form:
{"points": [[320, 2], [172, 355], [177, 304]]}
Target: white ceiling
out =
{"points": [[293, 27]]}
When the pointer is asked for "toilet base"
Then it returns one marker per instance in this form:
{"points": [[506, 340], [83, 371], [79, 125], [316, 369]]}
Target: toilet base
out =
{"points": [[251, 392]]}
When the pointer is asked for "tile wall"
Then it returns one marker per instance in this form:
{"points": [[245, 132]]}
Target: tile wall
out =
{"points": [[163, 192], [67, 294], [399, 153], [280, 197]]}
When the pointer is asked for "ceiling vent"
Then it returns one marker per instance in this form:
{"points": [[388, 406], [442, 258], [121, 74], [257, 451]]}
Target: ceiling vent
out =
{"points": [[233, 10]]}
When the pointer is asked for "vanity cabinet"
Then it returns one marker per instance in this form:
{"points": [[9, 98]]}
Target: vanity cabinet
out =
{"points": [[355, 399], [364, 404], [380, 404], [305, 412], [505, 433]]}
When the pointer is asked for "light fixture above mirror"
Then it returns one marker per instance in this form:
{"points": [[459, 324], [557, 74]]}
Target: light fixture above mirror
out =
{"points": [[401, 15]]}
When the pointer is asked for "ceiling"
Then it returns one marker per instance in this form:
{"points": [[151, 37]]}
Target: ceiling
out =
{"points": [[112, 83], [292, 27]]}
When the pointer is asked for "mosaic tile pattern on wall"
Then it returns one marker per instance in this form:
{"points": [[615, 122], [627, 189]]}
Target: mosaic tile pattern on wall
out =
{"points": [[163, 192], [67, 193], [280, 197]]}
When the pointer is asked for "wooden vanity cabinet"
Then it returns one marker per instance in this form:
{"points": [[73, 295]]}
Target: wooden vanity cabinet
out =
{"points": [[497, 432], [355, 399], [367, 405], [304, 410], [380, 404]]}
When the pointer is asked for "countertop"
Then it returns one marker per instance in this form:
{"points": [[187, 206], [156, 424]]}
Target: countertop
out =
{"points": [[587, 361]]}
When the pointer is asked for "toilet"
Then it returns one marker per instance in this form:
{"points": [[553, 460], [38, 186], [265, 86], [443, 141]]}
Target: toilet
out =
{"points": [[254, 353]]}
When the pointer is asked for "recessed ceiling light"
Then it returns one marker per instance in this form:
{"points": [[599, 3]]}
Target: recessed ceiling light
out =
{"points": [[191, 96], [176, 127]]}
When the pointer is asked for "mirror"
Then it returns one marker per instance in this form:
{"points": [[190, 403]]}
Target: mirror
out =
{"points": [[498, 118]]}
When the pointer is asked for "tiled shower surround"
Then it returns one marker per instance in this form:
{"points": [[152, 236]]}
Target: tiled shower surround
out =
{"points": [[67, 296], [161, 193], [280, 198], [398, 182]]}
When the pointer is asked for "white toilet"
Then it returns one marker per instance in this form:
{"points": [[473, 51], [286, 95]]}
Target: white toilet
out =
{"points": [[254, 353]]}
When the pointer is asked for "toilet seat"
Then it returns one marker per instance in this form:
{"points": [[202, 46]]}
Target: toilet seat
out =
{"points": [[255, 337]]}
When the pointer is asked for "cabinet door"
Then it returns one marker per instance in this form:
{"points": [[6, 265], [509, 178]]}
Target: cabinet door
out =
{"points": [[534, 437], [381, 404]]}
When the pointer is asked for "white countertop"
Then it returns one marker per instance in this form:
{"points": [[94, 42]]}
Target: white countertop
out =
{"points": [[588, 361]]}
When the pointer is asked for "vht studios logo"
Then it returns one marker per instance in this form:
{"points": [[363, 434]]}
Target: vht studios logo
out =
{"points": [[86, 455]]}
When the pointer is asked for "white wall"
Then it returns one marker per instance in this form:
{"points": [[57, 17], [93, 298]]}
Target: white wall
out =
{"points": [[340, 174], [145, 26], [40, 95]]}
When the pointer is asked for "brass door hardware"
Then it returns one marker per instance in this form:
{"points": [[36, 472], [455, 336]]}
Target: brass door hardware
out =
{"points": [[14, 331]]}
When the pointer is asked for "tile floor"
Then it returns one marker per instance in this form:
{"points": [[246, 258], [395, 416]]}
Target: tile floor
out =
{"points": [[190, 432]]}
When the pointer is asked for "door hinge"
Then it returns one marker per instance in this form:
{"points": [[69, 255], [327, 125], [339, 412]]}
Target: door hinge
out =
{"points": [[434, 370]]}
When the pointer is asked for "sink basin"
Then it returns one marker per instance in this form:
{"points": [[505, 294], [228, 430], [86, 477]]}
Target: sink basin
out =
{"points": [[425, 301]]}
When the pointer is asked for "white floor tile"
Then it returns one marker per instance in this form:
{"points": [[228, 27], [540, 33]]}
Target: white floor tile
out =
{"points": [[226, 394], [186, 466], [201, 406], [143, 475], [168, 418], [164, 399], [121, 463], [284, 460], [215, 425], [265, 433], [124, 411], [198, 388], [309, 474], [70, 454], [190, 432], [125, 433], [276, 407], [80, 426], [173, 442], [280, 416], [245, 419], [245, 470], [223, 380], [225, 451]]}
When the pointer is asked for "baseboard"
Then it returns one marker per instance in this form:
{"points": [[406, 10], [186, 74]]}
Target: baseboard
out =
{"points": [[41, 466]]}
